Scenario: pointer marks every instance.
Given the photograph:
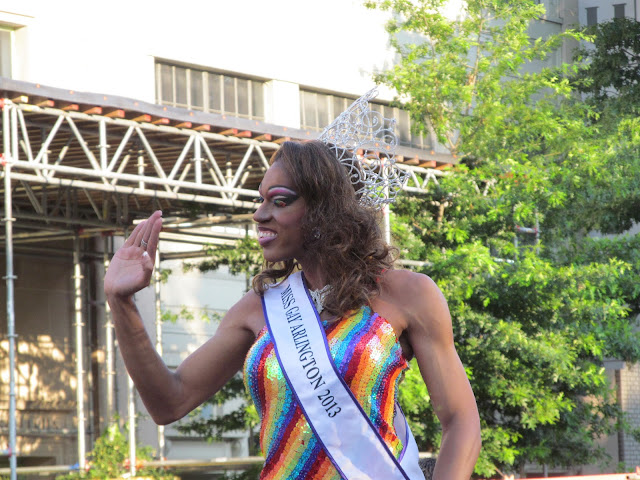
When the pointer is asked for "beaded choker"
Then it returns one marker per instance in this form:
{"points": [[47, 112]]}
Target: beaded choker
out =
{"points": [[318, 297]]}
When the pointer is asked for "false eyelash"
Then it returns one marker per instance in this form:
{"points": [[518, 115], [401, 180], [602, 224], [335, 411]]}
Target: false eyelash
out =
{"points": [[258, 200]]}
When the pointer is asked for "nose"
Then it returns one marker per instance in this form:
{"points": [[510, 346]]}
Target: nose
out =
{"points": [[261, 214]]}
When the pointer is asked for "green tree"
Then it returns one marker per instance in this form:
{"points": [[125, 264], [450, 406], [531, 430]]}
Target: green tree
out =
{"points": [[610, 81], [109, 459], [244, 257], [533, 323], [612, 71]]}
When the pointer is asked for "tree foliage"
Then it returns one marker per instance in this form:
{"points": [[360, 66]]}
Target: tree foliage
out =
{"points": [[533, 323], [244, 257], [612, 72], [110, 459], [463, 75]]}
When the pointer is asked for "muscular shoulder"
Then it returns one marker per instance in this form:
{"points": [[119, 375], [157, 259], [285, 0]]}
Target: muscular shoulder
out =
{"points": [[249, 301], [423, 303], [246, 313], [410, 288]]}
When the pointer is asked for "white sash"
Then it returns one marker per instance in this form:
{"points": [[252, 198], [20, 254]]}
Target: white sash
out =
{"points": [[351, 441]]}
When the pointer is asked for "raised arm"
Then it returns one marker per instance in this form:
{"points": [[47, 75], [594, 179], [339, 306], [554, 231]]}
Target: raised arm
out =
{"points": [[169, 395], [431, 337]]}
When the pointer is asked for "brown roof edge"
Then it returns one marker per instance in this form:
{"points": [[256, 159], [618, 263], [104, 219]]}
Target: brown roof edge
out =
{"points": [[11, 88]]}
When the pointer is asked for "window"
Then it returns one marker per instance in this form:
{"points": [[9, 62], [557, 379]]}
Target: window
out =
{"points": [[552, 8], [209, 91], [6, 40], [618, 10], [317, 110], [592, 16]]}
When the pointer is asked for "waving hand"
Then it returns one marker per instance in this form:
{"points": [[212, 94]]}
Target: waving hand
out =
{"points": [[132, 265]]}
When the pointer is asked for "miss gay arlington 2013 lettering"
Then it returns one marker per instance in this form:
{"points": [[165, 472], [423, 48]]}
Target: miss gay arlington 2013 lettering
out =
{"points": [[305, 354]]}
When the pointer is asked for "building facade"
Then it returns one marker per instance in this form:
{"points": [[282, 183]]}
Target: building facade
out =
{"points": [[593, 12]]}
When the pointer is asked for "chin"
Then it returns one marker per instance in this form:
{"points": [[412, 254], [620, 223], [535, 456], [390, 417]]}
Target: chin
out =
{"points": [[275, 257]]}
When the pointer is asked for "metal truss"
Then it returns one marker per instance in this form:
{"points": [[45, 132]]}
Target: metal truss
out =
{"points": [[70, 164], [420, 178], [102, 170]]}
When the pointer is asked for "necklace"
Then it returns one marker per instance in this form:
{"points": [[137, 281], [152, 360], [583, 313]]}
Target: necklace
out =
{"points": [[318, 297]]}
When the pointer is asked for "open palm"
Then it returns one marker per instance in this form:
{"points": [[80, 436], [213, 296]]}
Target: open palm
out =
{"points": [[132, 265]]}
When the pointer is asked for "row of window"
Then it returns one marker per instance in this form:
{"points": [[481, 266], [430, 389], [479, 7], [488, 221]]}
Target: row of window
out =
{"points": [[318, 110], [243, 97], [554, 7], [210, 92], [592, 13]]}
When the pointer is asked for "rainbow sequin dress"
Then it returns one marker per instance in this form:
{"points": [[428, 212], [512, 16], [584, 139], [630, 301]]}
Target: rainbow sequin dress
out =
{"points": [[369, 358]]}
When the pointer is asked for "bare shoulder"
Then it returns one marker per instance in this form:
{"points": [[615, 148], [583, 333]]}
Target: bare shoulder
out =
{"points": [[250, 301], [424, 304], [411, 288], [407, 279], [246, 313]]}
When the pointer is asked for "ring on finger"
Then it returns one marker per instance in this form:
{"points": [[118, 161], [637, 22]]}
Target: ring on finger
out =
{"points": [[143, 244]]}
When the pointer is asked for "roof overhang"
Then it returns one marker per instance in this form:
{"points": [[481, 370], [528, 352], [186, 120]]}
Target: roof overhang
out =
{"points": [[90, 163]]}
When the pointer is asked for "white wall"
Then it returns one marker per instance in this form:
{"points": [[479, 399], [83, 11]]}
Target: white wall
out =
{"points": [[109, 47], [605, 9]]}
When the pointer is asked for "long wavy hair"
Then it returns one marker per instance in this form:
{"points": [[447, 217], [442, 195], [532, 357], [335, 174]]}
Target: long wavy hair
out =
{"points": [[344, 236]]}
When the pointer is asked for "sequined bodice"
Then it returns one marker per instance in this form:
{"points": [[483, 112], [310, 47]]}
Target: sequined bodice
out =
{"points": [[369, 358]]}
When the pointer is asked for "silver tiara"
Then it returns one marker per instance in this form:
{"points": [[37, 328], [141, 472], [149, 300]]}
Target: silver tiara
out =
{"points": [[364, 142]]}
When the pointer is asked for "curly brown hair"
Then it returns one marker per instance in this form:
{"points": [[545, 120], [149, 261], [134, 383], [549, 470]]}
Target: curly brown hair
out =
{"points": [[344, 235]]}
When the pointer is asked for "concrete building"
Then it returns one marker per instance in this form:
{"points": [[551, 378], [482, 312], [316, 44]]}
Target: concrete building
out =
{"points": [[125, 107], [599, 11]]}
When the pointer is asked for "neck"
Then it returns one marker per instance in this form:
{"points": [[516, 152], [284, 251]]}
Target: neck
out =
{"points": [[314, 278]]}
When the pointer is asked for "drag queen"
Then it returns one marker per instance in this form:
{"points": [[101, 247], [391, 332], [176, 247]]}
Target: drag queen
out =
{"points": [[325, 334]]}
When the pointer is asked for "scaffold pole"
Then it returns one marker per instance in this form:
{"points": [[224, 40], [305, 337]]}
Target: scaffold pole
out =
{"points": [[157, 281], [10, 279], [110, 357], [79, 330]]}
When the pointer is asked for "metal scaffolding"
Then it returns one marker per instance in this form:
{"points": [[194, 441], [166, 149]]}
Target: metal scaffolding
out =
{"points": [[78, 165]]}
